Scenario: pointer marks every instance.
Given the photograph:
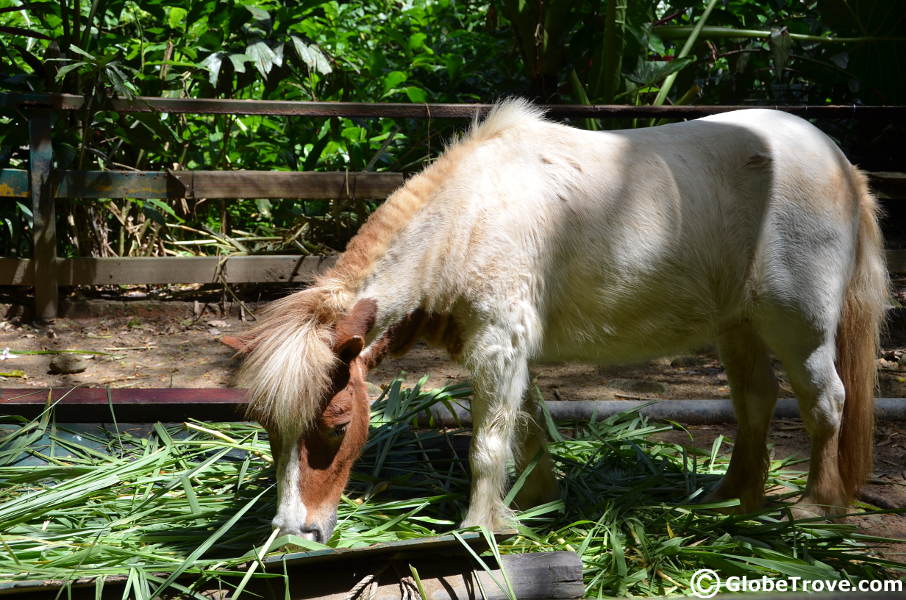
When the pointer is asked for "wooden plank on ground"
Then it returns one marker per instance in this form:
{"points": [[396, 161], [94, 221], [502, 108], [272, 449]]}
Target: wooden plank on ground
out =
{"points": [[137, 405], [446, 569], [422, 110], [192, 269], [449, 576]]}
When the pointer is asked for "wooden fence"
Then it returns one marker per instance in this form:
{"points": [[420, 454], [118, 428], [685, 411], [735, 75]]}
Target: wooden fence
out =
{"points": [[43, 184]]}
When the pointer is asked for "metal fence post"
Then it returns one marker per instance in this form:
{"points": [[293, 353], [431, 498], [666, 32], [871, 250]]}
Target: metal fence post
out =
{"points": [[44, 229]]}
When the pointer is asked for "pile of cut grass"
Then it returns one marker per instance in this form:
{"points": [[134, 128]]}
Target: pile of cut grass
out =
{"points": [[196, 499]]}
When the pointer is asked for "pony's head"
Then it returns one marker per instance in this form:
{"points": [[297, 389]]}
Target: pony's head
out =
{"points": [[317, 423]]}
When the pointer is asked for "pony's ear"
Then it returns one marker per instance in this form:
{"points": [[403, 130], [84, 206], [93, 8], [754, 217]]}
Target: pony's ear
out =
{"points": [[357, 322], [350, 348]]}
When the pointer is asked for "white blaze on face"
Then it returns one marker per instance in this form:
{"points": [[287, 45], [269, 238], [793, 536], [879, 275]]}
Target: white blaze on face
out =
{"points": [[291, 511]]}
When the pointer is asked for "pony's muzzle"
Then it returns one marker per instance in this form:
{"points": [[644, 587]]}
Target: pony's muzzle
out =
{"points": [[315, 532]]}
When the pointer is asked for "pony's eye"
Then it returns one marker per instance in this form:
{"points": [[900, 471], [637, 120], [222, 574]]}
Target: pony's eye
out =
{"points": [[339, 431]]}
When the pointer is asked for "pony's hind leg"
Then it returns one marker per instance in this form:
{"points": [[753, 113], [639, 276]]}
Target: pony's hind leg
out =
{"points": [[806, 347], [753, 388], [820, 393], [540, 485]]}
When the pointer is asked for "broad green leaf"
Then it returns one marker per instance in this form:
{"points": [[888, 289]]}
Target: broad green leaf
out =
{"points": [[415, 94], [259, 14], [213, 63], [417, 41], [312, 56], [66, 69], [176, 17], [238, 61], [393, 79], [262, 56]]}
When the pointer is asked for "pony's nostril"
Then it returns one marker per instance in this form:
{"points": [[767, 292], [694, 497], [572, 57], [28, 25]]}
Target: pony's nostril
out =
{"points": [[312, 533]]}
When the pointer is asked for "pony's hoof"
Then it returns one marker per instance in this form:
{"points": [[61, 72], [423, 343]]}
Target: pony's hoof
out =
{"points": [[744, 507], [807, 508], [500, 519], [803, 512]]}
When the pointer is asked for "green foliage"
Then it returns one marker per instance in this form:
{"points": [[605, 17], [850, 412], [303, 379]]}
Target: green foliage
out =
{"points": [[197, 498], [382, 50], [752, 51], [424, 51]]}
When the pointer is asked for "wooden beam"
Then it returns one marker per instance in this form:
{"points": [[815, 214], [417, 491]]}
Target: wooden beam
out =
{"points": [[192, 269], [16, 271], [43, 208], [421, 111], [307, 185], [204, 269], [285, 184]]}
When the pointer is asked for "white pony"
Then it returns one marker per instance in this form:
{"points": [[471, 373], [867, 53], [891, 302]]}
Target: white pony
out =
{"points": [[530, 240]]}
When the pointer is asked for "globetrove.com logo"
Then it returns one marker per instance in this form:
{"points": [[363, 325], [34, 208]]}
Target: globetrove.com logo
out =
{"points": [[706, 583]]}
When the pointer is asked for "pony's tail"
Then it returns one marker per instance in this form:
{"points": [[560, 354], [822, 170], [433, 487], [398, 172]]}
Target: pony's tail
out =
{"points": [[858, 344]]}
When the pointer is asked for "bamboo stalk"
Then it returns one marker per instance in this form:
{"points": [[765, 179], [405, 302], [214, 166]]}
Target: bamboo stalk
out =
{"points": [[687, 47], [670, 32]]}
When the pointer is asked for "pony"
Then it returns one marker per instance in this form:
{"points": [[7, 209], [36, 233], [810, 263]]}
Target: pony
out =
{"points": [[528, 240]]}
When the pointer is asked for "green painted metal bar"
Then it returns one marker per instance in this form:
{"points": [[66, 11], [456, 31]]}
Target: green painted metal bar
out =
{"points": [[114, 184], [14, 183], [44, 228]]}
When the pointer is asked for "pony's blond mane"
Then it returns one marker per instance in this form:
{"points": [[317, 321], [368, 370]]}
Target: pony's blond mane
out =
{"points": [[288, 368]]}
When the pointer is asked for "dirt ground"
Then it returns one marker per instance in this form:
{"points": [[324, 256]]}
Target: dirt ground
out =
{"points": [[148, 344]]}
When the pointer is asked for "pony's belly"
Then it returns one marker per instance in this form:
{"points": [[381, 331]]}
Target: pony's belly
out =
{"points": [[616, 351], [626, 343]]}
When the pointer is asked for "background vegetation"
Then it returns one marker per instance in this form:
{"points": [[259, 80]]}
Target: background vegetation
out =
{"points": [[750, 51]]}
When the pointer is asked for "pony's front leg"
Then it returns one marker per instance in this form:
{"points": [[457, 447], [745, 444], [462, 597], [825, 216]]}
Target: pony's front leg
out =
{"points": [[500, 379]]}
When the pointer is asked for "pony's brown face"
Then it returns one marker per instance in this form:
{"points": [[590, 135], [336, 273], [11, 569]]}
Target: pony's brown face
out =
{"points": [[313, 469]]}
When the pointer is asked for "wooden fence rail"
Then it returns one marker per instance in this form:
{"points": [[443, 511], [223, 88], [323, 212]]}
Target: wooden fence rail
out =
{"points": [[45, 271], [139, 104]]}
